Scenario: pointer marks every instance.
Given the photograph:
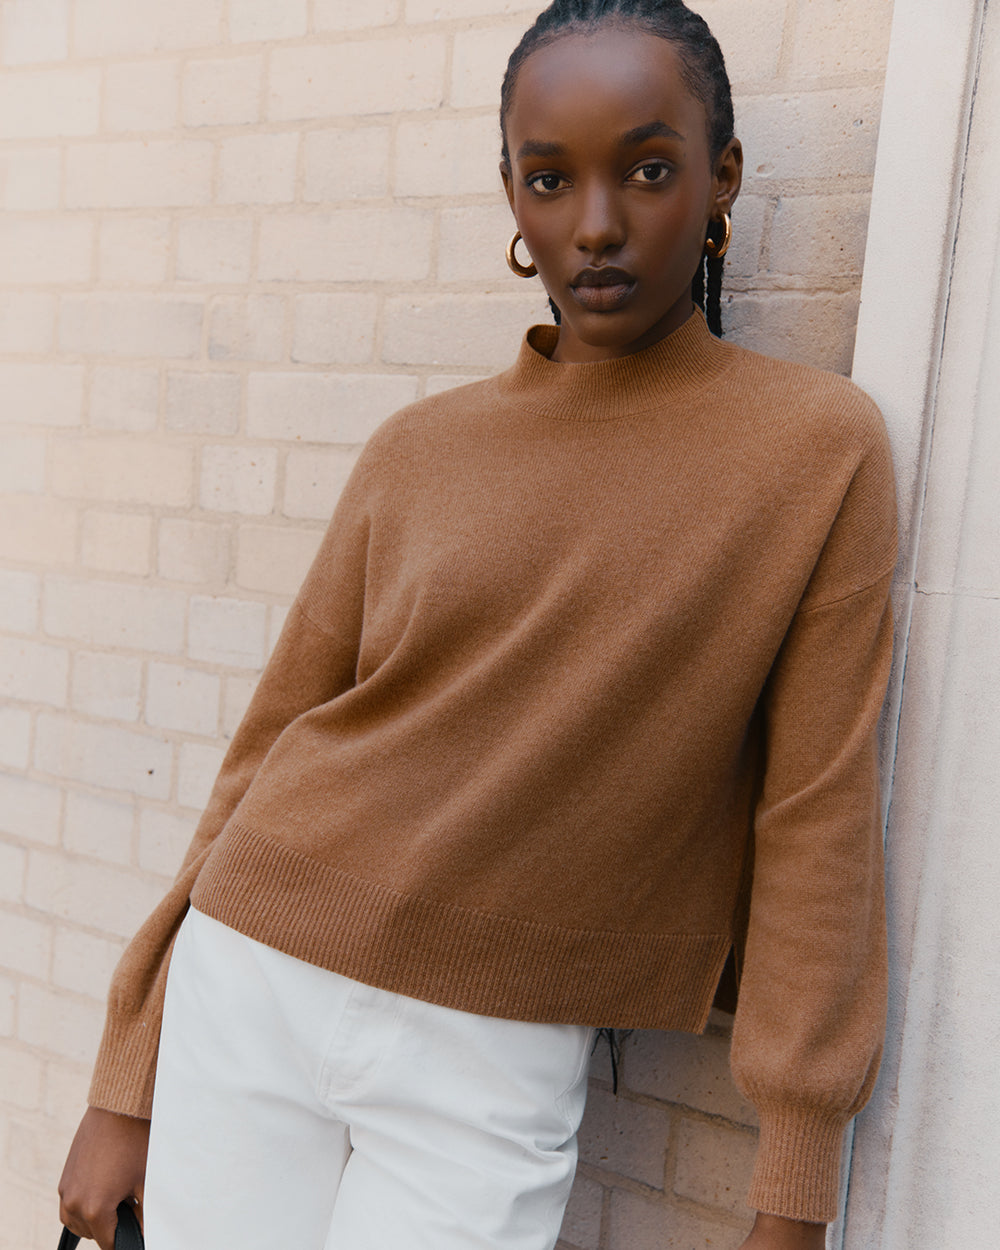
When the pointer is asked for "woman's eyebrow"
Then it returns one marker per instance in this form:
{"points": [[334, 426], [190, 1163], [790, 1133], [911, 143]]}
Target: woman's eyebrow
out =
{"points": [[651, 130], [539, 147]]}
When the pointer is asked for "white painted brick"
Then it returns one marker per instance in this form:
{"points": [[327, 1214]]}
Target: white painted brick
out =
{"points": [[324, 407], [13, 865], [123, 470], [30, 810], [203, 403], [214, 249], [238, 479], [334, 329], [19, 1202], [247, 329], [354, 14], [37, 530], [812, 329], [57, 1023], [142, 95], [714, 1165], [106, 685], [42, 394], [109, 27], [752, 48], [21, 1074], [237, 693], [98, 828], [637, 1220], [183, 698], [252, 20], [479, 63], [820, 236], [581, 1226], [124, 398], [115, 614], [27, 948], [828, 42], [198, 767], [447, 10], [273, 558], [352, 245], [686, 1069], [27, 322], [102, 755], [30, 178], [131, 325], [192, 551], [624, 1137], [448, 381], [15, 738], [84, 963], [46, 249], [163, 839], [478, 330], [160, 173], [367, 76], [43, 103], [133, 250], [117, 542], [258, 169], [20, 595], [8, 997], [279, 614], [743, 259], [457, 156], [65, 1094], [807, 135], [22, 468], [473, 243], [33, 672], [98, 896], [347, 164], [227, 631], [35, 31], [222, 92], [314, 480]]}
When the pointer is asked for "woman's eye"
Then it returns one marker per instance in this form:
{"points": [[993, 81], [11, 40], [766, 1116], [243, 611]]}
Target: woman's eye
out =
{"points": [[655, 171], [546, 183]]}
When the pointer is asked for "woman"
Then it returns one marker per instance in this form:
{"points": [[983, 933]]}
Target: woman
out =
{"points": [[592, 654]]}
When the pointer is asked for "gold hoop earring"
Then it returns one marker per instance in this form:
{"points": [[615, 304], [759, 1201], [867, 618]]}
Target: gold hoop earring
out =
{"points": [[522, 271], [716, 251]]}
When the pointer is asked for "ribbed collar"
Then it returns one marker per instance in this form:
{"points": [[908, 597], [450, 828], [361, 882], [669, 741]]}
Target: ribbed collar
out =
{"points": [[686, 361]]}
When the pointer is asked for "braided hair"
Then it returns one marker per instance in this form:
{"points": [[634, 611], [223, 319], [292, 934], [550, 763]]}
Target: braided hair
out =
{"points": [[702, 67]]}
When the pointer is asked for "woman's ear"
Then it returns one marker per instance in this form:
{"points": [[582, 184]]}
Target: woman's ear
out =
{"points": [[728, 175], [508, 183]]}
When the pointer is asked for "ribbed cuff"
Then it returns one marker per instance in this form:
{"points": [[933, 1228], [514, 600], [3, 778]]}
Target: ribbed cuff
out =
{"points": [[126, 1069], [797, 1173]]}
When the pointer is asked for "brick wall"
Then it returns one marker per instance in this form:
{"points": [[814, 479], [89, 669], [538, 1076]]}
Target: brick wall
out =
{"points": [[237, 235]]}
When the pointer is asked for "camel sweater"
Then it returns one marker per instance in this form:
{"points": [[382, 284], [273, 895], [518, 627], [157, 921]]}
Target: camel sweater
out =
{"points": [[585, 649]]}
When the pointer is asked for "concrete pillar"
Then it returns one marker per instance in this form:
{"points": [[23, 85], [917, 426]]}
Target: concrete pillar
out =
{"points": [[927, 1151]]}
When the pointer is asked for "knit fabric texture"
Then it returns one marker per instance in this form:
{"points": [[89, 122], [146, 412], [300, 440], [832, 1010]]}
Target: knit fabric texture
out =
{"points": [[586, 649]]}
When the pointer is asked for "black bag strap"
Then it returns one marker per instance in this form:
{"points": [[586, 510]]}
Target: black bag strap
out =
{"points": [[128, 1235]]}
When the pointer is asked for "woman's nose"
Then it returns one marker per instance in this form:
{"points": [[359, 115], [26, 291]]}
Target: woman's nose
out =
{"points": [[600, 226]]}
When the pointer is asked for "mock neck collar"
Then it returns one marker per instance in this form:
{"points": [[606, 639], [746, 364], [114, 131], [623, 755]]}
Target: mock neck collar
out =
{"points": [[685, 362]]}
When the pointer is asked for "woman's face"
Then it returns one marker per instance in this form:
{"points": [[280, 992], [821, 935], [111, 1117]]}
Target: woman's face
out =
{"points": [[613, 186]]}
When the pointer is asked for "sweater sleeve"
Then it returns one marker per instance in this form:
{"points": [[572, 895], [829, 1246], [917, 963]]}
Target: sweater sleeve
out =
{"points": [[315, 660], [810, 1018]]}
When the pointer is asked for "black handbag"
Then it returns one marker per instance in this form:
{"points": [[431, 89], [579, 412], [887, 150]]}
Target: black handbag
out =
{"points": [[128, 1234]]}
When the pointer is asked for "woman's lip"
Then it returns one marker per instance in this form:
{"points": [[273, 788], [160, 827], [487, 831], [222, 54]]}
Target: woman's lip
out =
{"points": [[603, 298]]}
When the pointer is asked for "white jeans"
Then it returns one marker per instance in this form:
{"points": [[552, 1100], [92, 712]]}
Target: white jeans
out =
{"points": [[298, 1110]]}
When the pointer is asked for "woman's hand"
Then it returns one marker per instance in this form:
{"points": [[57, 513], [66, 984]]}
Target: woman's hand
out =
{"points": [[774, 1232], [106, 1165]]}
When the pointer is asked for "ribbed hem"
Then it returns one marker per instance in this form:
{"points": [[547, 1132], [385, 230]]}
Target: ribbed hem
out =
{"points": [[797, 1173], [457, 957], [126, 1069]]}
